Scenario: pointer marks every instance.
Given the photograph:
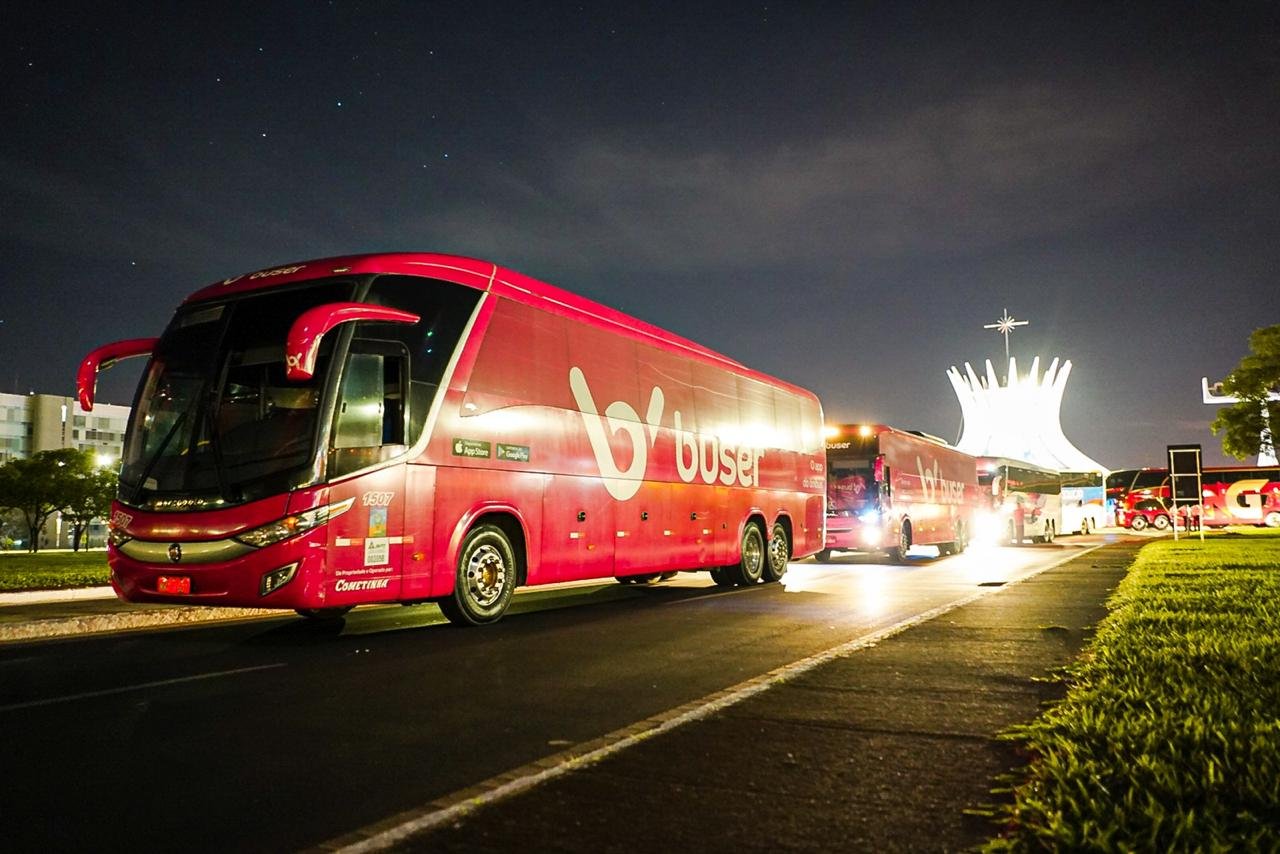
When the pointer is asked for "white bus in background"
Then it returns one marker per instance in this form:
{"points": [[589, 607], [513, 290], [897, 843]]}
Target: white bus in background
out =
{"points": [[1083, 502], [1023, 496]]}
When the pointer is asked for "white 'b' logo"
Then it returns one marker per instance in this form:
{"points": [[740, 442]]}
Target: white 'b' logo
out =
{"points": [[622, 417]]}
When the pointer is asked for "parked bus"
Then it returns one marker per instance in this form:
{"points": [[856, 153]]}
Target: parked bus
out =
{"points": [[419, 427], [1083, 502], [1230, 495], [1026, 499], [889, 490], [1121, 482]]}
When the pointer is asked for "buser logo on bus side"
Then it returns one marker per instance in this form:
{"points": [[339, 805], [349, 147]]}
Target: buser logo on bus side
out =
{"points": [[697, 455], [936, 488]]}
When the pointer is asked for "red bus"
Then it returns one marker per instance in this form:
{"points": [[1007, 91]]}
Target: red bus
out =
{"points": [[889, 490], [430, 428], [1230, 495], [1121, 482]]}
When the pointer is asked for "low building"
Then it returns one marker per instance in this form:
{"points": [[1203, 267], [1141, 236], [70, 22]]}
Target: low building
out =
{"points": [[30, 423]]}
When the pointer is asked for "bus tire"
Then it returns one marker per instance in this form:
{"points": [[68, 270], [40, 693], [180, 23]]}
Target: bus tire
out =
{"points": [[898, 554], [1272, 519], [485, 580], [321, 614], [962, 538], [721, 577], [1139, 523], [1084, 527], [777, 554], [1161, 523], [750, 567], [823, 556]]}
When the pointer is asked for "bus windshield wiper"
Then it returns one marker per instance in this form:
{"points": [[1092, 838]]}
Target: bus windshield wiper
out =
{"points": [[164, 443]]}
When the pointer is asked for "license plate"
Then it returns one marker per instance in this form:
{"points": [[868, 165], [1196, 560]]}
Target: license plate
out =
{"points": [[173, 584]]}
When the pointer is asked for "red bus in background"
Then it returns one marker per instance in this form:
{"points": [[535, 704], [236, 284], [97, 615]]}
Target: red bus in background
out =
{"points": [[414, 427], [1230, 495], [889, 490], [1121, 482]]}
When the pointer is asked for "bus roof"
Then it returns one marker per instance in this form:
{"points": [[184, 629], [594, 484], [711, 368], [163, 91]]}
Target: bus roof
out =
{"points": [[484, 276]]}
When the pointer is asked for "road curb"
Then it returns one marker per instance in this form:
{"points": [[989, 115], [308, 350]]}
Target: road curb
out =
{"points": [[99, 623]]}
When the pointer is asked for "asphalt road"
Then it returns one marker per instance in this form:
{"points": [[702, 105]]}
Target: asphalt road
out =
{"points": [[278, 735]]}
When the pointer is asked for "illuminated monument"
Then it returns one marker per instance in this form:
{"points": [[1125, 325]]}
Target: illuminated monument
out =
{"points": [[1019, 419]]}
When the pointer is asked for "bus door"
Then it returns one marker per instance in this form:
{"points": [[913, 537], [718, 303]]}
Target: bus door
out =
{"points": [[367, 543]]}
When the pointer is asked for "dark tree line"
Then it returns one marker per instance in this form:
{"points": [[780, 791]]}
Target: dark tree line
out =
{"points": [[47, 482]]}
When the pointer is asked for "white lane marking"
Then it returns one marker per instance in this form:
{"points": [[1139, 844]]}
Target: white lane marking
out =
{"points": [[384, 835], [126, 688]]}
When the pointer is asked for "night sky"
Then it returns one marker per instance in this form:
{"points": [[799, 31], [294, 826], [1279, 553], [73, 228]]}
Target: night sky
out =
{"points": [[837, 195]]}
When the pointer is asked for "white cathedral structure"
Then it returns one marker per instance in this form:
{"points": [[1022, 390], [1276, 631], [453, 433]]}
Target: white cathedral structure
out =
{"points": [[1019, 419]]}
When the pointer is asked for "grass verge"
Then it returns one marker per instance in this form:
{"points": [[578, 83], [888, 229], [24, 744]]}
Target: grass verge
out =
{"points": [[1169, 736], [52, 570]]}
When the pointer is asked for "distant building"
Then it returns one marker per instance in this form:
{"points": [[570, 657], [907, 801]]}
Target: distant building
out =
{"points": [[30, 423]]}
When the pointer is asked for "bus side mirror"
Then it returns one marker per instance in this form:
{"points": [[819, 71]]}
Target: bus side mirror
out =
{"points": [[103, 358], [303, 341]]}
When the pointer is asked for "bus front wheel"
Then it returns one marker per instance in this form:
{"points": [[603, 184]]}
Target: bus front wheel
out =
{"points": [[485, 580], [898, 554]]}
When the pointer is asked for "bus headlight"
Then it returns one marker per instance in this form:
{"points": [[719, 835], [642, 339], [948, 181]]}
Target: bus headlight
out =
{"points": [[291, 526], [117, 538]]}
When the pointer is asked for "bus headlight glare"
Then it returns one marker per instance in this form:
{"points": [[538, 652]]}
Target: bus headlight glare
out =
{"points": [[292, 526]]}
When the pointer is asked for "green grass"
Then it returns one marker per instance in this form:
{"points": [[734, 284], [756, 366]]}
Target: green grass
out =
{"points": [[1169, 736], [52, 570]]}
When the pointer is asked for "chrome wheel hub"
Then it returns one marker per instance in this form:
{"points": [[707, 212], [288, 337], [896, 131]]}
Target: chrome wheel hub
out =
{"points": [[486, 576]]}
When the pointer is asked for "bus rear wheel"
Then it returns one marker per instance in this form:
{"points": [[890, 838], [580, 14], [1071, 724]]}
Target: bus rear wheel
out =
{"points": [[750, 567], [1138, 523], [721, 577], [485, 580], [778, 554]]}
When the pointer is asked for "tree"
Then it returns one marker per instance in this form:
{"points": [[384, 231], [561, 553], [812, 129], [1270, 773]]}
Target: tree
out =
{"points": [[1249, 427], [90, 499], [41, 485]]}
